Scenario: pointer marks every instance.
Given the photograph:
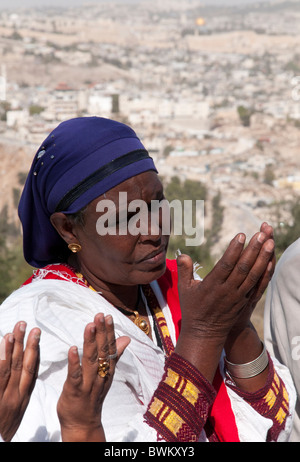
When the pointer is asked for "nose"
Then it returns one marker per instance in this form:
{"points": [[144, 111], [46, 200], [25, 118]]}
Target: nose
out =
{"points": [[151, 228]]}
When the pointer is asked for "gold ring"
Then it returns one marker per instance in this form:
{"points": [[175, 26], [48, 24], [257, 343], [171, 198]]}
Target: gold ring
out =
{"points": [[103, 367]]}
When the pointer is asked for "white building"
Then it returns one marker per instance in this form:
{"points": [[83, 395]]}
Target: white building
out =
{"points": [[17, 118]]}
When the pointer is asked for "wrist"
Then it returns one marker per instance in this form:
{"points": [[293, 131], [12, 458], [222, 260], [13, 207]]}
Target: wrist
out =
{"points": [[203, 353], [242, 340], [250, 369], [81, 434]]}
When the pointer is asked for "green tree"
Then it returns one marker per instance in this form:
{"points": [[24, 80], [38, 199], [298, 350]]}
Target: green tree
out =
{"points": [[269, 175], [13, 268], [4, 272], [35, 109], [115, 103], [286, 234], [245, 115], [188, 190], [217, 220]]}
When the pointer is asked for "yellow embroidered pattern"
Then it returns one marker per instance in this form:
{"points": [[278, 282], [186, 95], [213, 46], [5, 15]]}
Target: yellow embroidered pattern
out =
{"points": [[163, 413], [167, 417], [159, 319], [183, 386], [272, 395]]}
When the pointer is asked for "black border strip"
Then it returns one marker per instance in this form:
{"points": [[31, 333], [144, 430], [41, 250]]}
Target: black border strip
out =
{"points": [[99, 175]]}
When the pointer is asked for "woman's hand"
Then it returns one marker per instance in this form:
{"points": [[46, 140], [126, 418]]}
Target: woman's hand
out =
{"points": [[259, 289], [18, 373], [80, 404], [210, 308]]}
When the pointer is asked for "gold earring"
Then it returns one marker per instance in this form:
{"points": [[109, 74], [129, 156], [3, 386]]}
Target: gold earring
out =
{"points": [[74, 247]]}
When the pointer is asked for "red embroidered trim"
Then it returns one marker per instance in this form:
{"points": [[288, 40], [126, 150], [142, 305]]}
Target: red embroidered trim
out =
{"points": [[180, 405], [159, 319], [271, 401]]}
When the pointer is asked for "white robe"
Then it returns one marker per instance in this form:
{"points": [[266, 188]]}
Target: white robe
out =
{"points": [[61, 310], [282, 320]]}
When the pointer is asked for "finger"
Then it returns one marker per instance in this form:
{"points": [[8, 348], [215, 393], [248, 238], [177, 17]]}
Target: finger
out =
{"points": [[111, 338], [267, 230], [227, 263], [101, 336], [185, 269], [122, 344], [31, 360], [6, 350], [111, 343], [74, 375], [105, 344], [18, 351], [263, 283], [259, 267], [116, 347], [243, 267], [90, 355]]}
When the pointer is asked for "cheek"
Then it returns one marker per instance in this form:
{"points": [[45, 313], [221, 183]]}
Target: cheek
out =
{"points": [[107, 249]]}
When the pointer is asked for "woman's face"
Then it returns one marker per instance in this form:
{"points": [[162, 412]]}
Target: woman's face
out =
{"points": [[130, 258]]}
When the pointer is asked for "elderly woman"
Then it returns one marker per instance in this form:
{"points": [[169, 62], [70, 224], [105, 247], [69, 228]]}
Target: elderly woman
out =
{"points": [[195, 368]]}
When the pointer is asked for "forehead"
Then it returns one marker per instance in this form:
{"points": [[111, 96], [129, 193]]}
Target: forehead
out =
{"points": [[145, 186]]}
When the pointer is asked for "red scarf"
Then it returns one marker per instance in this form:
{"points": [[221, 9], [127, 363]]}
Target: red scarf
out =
{"points": [[221, 415]]}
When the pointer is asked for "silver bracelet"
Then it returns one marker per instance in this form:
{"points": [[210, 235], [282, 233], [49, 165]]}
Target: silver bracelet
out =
{"points": [[251, 369]]}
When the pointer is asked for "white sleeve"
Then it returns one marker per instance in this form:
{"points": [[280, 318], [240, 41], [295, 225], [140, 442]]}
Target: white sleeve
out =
{"points": [[252, 426]]}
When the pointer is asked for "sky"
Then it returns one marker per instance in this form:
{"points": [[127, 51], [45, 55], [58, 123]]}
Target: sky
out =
{"points": [[69, 3]]}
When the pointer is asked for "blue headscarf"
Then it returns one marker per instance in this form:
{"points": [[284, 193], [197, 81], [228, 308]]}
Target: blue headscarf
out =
{"points": [[79, 161]]}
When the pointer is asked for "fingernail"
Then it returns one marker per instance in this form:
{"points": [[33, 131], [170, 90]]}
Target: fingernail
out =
{"points": [[2, 350], [261, 238], [37, 335], [109, 319], [74, 350], [242, 238], [11, 338], [101, 317], [270, 246], [22, 326]]}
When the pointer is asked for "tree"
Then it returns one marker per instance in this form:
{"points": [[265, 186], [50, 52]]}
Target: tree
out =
{"points": [[286, 234], [217, 220], [269, 175], [188, 190], [245, 115], [115, 103]]}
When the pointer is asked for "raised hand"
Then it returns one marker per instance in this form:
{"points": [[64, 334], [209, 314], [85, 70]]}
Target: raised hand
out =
{"points": [[262, 284], [80, 404], [212, 307], [18, 373]]}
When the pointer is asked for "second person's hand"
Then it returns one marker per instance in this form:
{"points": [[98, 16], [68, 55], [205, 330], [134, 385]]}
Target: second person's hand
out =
{"points": [[80, 404]]}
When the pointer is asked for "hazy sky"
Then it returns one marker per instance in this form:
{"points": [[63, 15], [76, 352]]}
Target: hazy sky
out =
{"points": [[69, 3]]}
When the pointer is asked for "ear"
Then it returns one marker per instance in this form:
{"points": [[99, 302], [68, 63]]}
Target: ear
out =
{"points": [[64, 227]]}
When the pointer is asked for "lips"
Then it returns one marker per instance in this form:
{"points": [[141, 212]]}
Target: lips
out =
{"points": [[155, 256]]}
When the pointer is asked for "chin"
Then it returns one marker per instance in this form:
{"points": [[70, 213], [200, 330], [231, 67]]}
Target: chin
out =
{"points": [[152, 274]]}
